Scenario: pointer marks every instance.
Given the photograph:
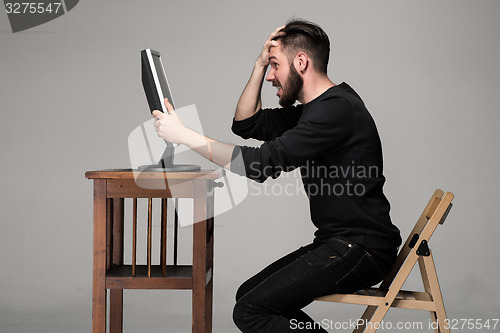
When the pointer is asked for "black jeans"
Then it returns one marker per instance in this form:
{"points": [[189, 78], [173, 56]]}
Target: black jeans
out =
{"points": [[272, 300]]}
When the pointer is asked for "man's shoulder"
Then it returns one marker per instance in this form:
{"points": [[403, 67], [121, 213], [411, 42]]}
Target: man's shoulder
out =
{"points": [[339, 91], [340, 97]]}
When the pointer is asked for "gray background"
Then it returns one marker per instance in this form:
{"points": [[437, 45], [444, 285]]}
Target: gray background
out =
{"points": [[70, 94]]}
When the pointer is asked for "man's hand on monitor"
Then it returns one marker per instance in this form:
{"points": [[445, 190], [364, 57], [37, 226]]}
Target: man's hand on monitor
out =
{"points": [[169, 126]]}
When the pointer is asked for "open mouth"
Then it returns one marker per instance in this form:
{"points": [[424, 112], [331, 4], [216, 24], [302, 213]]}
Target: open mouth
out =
{"points": [[279, 87]]}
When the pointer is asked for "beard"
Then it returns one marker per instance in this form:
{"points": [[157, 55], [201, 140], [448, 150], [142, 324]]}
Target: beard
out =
{"points": [[292, 88]]}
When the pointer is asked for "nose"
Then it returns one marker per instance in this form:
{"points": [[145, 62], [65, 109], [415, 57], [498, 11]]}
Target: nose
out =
{"points": [[270, 77]]}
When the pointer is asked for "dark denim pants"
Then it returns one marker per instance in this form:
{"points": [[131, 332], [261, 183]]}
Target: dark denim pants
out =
{"points": [[272, 300]]}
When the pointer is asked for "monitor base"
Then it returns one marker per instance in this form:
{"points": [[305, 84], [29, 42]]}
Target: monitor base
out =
{"points": [[172, 168]]}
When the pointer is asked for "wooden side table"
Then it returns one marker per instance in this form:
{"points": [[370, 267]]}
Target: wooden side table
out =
{"points": [[111, 187]]}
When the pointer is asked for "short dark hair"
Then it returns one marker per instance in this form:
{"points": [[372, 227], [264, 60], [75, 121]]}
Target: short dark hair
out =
{"points": [[308, 37]]}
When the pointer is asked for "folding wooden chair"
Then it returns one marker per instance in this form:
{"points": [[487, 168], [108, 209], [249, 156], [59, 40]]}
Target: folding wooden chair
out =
{"points": [[389, 294]]}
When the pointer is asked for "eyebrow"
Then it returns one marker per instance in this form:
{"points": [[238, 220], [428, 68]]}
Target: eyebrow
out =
{"points": [[273, 57]]}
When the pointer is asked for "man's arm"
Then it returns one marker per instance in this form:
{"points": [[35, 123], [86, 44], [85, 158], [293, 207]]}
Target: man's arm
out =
{"points": [[327, 128], [250, 102], [170, 127]]}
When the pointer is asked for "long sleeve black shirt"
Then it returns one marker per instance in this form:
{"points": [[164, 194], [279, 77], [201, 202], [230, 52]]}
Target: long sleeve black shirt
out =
{"points": [[334, 141]]}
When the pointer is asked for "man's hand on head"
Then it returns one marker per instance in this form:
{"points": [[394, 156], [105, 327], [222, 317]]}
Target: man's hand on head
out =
{"points": [[169, 126], [264, 55]]}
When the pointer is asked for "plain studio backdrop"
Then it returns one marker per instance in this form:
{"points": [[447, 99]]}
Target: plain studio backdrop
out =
{"points": [[71, 94]]}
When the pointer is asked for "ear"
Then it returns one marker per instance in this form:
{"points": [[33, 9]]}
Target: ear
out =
{"points": [[302, 62]]}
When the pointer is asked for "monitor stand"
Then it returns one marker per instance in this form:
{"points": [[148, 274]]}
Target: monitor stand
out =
{"points": [[166, 163]]}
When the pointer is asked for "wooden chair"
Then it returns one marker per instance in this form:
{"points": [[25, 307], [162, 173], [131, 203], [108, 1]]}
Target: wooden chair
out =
{"points": [[389, 294]]}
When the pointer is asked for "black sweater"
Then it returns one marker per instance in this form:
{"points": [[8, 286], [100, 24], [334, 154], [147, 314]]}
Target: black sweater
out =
{"points": [[334, 141]]}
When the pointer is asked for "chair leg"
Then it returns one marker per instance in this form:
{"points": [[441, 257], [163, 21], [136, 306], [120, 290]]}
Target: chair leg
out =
{"points": [[435, 290], [427, 288], [396, 285], [367, 315], [377, 317]]}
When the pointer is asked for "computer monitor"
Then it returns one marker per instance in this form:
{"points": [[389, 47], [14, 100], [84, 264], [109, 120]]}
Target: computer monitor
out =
{"points": [[154, 81]]}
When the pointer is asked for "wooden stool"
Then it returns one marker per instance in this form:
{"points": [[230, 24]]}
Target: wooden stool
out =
{"points": [[111, 187]]}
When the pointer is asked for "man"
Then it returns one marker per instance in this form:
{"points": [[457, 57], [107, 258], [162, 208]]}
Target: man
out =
{"points": [[332, 138]]}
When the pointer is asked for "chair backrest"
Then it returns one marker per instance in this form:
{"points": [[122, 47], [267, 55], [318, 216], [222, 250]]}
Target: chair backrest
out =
{"points": [[435, 213]]}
